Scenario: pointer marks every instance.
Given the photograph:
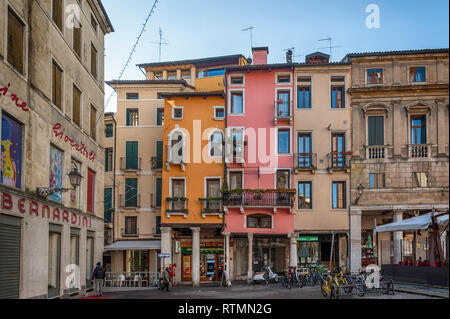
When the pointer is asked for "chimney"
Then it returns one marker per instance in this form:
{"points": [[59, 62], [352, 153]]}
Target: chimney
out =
{"points": [[317, 58], [260, 55], [289, 56]]}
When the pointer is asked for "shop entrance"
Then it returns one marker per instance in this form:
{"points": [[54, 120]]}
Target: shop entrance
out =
{"points": [[269, 252], [211, 263]]}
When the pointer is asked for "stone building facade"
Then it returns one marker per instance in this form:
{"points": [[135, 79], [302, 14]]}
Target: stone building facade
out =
{"points": [[400, 116], [51, 102]]}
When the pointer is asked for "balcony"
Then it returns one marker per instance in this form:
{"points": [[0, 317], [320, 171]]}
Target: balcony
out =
{"points": [[376, 152], [305, 162], [156, 163], [177, 207], [339, 162], [130, 165], [260, 199], [130, 202], [283, 111], [419, 151], [211, 207], [155, 202], [130, 232]]}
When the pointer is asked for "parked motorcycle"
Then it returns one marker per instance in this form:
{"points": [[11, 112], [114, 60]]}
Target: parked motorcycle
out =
{"points": [[268, 277]]}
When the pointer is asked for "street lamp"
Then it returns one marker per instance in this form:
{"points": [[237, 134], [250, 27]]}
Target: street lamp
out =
{"points": [[360, 190], [75, 180]]}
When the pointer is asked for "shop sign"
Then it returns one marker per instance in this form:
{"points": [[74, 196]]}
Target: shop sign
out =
{"points": [[14, 98], [60, 133], [163, 255], [308, 239], [203, 250]]}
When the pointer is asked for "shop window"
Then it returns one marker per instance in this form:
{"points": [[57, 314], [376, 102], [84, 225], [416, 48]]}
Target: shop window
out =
{"points": [[74, 255], [308, 253], [11, 168], [16, 34], [56, 172], [375, 76], [259, 221], [417, 74], [367, 244], [137, 261]]}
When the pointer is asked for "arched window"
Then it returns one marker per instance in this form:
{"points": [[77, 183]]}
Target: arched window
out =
{"points": [[216, 144], [259, 221]]}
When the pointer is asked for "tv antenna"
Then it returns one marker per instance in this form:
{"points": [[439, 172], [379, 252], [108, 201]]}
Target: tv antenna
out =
{"points": [[292, 50], [161, 42], [251, 36], [330, 46]]}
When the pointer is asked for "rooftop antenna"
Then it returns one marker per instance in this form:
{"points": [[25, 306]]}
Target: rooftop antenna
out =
{"points": [[292, 49], [251, 36], [330, 46], [161, 42]]}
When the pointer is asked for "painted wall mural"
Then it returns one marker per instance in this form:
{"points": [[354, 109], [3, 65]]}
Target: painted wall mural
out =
{"points": [[11, 160], [56, 172]]}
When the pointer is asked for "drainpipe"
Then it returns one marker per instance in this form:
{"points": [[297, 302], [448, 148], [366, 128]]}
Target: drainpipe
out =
{"points": [[114, 180]]}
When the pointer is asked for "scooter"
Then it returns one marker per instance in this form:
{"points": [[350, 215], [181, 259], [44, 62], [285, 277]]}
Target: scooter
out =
{"points": [[267, 277]]}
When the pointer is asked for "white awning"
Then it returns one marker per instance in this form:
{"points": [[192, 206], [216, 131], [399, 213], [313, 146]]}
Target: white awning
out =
{"points": [[134, 245], [415, 223]]}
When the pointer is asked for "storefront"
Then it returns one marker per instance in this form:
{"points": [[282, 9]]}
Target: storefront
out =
{"points": [[318, 249], [269, 252], [211, 261]]}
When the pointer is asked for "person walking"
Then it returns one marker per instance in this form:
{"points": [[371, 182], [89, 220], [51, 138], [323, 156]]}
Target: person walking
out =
{"points": [[166, 279], [98, 277]]}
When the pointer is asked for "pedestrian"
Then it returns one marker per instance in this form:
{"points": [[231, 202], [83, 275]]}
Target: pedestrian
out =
{"points": [[166, 279], [98, 277]]}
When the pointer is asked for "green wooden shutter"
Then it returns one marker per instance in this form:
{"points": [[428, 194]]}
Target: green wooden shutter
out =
{"points": [[159, 151], [128, 118], [158, 192], [131, 192], [106, 159], [132, 150], [108, 205], [376, 130]]}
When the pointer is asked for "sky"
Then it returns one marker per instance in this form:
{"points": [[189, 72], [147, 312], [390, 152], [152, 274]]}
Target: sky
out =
{"points": [[206, 28]]}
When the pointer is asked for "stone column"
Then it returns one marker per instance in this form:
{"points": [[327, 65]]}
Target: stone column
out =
{"points": [[179, 74], [293, 260], [398, 238], [164, 75], [227, 255], [195, 256], [166, 246], [250, 259], [355, 240]]}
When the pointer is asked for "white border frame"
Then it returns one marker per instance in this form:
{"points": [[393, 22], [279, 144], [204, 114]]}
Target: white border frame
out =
{"points": [[173, 113], [277, 74], [236, 75], [230, 102], [290, 142], [205, 184], [366, 75], [224, 113], [236, 170], [291, 176]]}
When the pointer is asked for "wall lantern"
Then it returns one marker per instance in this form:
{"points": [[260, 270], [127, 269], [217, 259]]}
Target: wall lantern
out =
{"points": [[75, 180]]}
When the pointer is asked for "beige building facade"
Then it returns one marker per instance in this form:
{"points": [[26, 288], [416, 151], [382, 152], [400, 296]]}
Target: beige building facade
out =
{"points": [[51, 102]]}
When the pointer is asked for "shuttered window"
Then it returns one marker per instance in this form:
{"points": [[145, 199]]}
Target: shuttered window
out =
{"points": [[132, 117], [131, 194], [93, 122], [93, 61], [76, 110], [158, 192], [77, 40], [15, 41], [376, 130], [10, 229], [57, 75], [132, 153], [108, 205], [91, 191], [57, 13], [108, 159]]}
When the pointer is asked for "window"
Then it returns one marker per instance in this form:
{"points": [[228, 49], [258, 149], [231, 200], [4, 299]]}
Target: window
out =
{"points": [[131, 192], [132, 117], [108, 205], [237, 106], [157, 225], [159, 155], [337, 97], [91, 191], [337, 149], [376, 181], [304, 97], [16, 30], [178, 190], [417, 74], [284, 141], [304, 79], [305, 157], [158, 76], [75, 248], [132, 155], [108, 159], [172, 75], [237, 80], [132, 96], [236, 180], [57, 13], [216, 145], [259, 221], [160, 117], [93, 61], [237, 136], [418, 130], [109, 130], [77, 40], [376, 130], [11, 146], [283, 179], [54, 261], [186, 74], [76, 106], [304, 195], [375, 76], [286, 78], [56, 172], [93, 122], [158, 192], [214, 72], [219, 113], [177, 113], [57, 76], [94, 23], [283, 103], [420, 180], [213, 191], [339, 195]]}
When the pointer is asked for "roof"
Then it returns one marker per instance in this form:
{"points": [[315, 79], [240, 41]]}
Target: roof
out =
{"points": [[259, 67], [321, 64], [319, 54], [121, 82], [387, 53], [225, 58], [191, 94], [134, 245], [106, 15]]}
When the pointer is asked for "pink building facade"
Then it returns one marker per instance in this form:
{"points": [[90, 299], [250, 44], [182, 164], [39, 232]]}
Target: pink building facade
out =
{"points": [[259, 195]]}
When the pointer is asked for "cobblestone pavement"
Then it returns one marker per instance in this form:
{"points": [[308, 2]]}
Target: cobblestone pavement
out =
{"points": [[245, 292]]}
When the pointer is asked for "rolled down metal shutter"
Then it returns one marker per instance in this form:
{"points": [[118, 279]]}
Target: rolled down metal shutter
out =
{"points": [[9, 257]]}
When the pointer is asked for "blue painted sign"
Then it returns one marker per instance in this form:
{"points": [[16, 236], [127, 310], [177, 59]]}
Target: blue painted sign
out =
{"points": [[163, 255]]}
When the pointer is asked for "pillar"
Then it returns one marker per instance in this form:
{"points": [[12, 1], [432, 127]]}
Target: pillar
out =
{"points": [[166, 246], [227, 256], [193, 76], [293, 260], [355, 240], [179, 76], [164, 75], [398, 238], [250, 259], [195, 256]]}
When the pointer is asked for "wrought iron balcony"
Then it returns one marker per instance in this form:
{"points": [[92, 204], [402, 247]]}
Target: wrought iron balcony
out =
{"points": [[130, 201], [419, 151], [177, 206], [211, 206], [305, 161], [339, 161], [283, 111], [130, 165], [130, 232], [256, 198], [156, 163]]}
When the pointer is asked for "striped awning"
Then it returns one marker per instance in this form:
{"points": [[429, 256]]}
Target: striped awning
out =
{"points": [[134, 245]]}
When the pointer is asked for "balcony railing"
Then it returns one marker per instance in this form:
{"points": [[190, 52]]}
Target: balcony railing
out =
{"points": [[283, 111], [376, 152], [130, 232], [130, 165], [251, 198], [419, 151], [130, 201], [338, 161], [177, 206], [156, 163], [211, 206], [305, 161]]}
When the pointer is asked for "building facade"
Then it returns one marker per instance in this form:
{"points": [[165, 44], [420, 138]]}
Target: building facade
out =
{"points": [[51, 101], [399, 169]]}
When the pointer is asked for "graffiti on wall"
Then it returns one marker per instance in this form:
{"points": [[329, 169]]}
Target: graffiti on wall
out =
{"points": [[11, 160]]}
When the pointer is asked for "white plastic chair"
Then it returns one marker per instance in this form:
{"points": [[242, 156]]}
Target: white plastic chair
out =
{"points": [[137, 279], [121, 279]]}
